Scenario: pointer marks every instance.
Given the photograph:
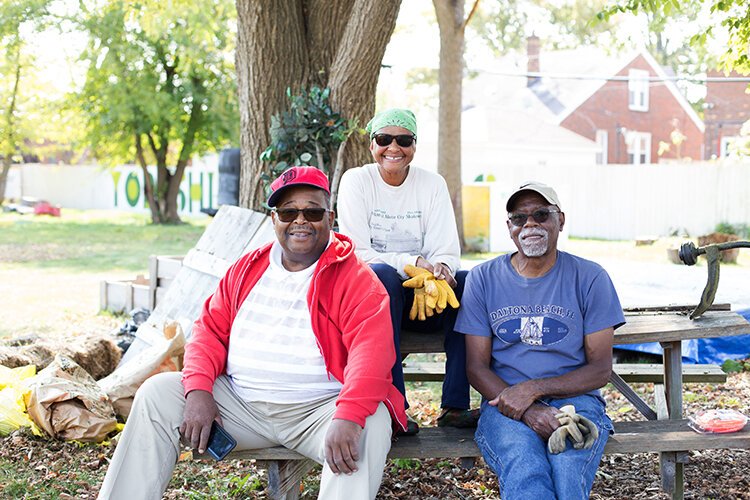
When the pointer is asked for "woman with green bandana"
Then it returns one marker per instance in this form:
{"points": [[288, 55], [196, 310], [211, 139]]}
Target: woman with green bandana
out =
{"points": [[400, 215]]}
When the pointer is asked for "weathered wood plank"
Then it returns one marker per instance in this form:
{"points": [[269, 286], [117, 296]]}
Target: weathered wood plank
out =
{"points": [[230, 231], [668, 327], [206, 263], [630, 372], [682, 308], [630, 437]]}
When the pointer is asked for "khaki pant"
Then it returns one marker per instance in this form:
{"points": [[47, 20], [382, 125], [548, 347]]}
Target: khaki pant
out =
{"points": [[145, 457]]}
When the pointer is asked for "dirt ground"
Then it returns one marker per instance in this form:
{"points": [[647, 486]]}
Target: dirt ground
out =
{"points": [[41, 468], [51, 303]]}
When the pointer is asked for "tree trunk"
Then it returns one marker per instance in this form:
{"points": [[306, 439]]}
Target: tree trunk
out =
{"points": [[333, 43], [450, 17], [9, 123], [271, 56], [148, 186], [356, 69]]}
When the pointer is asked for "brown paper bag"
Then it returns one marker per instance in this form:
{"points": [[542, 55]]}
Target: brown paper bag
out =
{"points": [[66, 402], [164, 355]]}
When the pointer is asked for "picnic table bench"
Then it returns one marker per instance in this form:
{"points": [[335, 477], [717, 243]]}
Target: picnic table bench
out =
{"points": [[665, 430]]}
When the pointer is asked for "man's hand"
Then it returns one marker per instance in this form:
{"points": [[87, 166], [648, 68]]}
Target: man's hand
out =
{"points": [[541, 419], [513, 401], [443, 272], [200, 411], [342, 446]]}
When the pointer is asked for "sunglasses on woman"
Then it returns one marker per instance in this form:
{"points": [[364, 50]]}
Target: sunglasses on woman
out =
{"points": [[403, 140], [310, 214], [540, 216]]}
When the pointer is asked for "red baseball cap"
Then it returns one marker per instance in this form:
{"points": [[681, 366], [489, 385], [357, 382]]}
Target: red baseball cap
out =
{"points": [[297, 176]]}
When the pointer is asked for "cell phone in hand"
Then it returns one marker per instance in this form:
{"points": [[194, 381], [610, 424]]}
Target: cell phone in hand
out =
{"points": [[220, 443]]}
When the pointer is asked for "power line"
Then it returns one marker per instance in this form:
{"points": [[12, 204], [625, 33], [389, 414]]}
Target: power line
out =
{"points": [[624, 78]]}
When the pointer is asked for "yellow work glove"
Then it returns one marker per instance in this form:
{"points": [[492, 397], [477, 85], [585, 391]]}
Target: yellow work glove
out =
{"points": [[418, 307], [425, 292], [417, 276], [431, 293], [437, 294], [581, 431]]}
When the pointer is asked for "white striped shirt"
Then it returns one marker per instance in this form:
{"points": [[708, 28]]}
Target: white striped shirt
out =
{"points": [[273, 354]]}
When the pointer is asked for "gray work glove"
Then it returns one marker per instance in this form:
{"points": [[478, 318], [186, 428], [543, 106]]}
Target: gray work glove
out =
{"points": [[581, 431]]}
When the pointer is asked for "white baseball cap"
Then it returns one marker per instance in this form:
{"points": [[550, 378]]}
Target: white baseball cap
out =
{"points": [[544, 190]]}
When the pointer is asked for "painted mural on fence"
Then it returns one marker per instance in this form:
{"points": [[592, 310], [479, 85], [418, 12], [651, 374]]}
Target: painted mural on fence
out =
{"points": [[198, 189]]}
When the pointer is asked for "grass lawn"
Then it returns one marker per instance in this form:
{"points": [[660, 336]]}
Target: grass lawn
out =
{"points": [[50, 267]]}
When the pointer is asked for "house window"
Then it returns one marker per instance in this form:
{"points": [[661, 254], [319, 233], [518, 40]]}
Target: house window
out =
{"points": [[601, 143], [728, 146], [639, 147], [638, 90]]}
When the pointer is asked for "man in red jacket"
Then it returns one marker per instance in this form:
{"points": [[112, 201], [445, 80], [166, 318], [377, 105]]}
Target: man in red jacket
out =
{"points": [[294, 348]]}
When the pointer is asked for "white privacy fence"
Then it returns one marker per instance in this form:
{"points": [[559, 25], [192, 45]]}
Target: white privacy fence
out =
{"points": [[627, 201], [600, 201], [120, 188]]}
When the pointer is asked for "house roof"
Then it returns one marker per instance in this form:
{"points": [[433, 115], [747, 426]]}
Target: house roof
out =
{"points": [[513, 129], [567, 79]]}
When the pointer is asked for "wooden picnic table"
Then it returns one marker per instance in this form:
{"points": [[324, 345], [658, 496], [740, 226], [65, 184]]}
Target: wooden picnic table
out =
{"points": [[669, 328], [236, 231]]}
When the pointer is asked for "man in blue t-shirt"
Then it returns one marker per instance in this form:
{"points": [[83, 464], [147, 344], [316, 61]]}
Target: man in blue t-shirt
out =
{"points": [[539, 325]]}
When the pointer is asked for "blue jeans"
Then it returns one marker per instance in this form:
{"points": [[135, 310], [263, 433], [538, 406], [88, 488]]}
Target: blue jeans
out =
{"points": [[524, 467], [456, 383]]}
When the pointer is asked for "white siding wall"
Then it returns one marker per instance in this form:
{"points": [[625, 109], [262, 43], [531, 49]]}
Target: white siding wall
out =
{"points": [[625, 202]]}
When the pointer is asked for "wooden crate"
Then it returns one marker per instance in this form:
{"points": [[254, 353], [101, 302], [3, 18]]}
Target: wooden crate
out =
{"points": [[162, 270], [122, 296]]}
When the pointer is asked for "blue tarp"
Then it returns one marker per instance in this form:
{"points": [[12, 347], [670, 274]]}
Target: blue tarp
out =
{"points": [[702, 351]]}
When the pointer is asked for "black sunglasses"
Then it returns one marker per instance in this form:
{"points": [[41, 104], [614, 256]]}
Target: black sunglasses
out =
{"points": [[540, 216], [310, 214], [403, 140]]}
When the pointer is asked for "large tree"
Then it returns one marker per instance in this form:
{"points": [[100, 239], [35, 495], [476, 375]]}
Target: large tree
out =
{"points": [[160, 87], [337, 44]]}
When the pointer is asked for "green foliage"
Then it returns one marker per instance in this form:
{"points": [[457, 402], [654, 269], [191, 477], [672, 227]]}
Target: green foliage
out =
{"points": [[501, 25], [736, 365], [406, 464], [153, 66], [239, 486], [741, 230], [730, 15], [309, 132], [18, 18]]}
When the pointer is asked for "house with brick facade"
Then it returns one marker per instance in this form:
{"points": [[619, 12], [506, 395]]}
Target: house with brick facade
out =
{"points": [[726, 109], [628, 105], [637, 116]]}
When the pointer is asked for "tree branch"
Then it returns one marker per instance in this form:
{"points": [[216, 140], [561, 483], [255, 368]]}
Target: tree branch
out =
{"points": [[471, 14]]}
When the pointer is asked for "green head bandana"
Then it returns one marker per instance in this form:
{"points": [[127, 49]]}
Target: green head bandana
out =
{"points": [[393, 117]]}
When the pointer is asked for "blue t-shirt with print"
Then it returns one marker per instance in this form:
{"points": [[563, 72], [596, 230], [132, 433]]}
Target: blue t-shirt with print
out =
{"points": [[538, 324]]}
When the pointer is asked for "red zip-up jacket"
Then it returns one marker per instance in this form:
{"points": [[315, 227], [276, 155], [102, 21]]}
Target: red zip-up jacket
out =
{"points": [[350, 315]]}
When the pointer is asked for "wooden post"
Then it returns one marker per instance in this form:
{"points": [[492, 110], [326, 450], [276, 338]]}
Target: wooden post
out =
{"points": [[284, 477], [672, 469]]}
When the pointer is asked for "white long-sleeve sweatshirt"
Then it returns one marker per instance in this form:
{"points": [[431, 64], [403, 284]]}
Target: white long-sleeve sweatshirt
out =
{"points": [[395, 225]]}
